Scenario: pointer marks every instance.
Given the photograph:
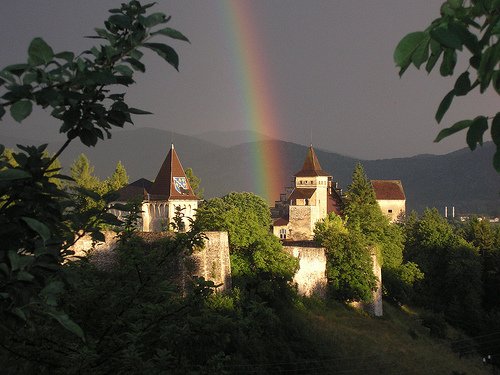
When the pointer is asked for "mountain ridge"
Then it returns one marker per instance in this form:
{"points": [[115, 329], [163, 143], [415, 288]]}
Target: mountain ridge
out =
{"points": [[461, 178]]}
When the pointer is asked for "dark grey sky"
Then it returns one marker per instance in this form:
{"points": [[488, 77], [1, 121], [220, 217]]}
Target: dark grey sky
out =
{"points": [[329, 66]]}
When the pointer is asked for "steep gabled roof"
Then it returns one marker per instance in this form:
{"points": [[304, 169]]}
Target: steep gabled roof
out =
{"points": [[311, 167], [135, 190], [301, 193], [388, 189], [171, 182]]}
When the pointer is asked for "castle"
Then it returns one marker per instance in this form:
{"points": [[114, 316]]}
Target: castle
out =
{"points": [[314, 195]]}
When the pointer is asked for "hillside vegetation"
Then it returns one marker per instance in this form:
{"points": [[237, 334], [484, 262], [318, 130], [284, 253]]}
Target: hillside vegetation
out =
{"points": [[350, 342]]}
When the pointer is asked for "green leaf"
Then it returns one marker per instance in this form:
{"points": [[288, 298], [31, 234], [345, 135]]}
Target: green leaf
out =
{"points": [[88, 137], [65, 55], [166, 52], [19, 313], [172, 33], [495, 129], [496, 159], [17, 69], [120, 20], [476, 130], [51, 292], [444, 105], [448, 63], [136, 64], [67, 323], [421, 54], [13, 174], [125, 70], [462, 85], [24, 276], [489, 60], [39, 52], [21, 109], [38, 227], [5, 269], [446, 37], [14, 259], [137, 111], [153, 19], [461, 125], [468, 39], [405, 49]]}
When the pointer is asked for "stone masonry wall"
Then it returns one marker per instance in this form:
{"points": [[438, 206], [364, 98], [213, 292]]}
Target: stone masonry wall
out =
{"points": [[213, 262], [310, 279], [300, 223]]}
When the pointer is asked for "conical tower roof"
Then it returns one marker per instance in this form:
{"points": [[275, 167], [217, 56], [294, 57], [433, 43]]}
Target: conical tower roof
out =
{"points": [[171, 182], [311, 167]]}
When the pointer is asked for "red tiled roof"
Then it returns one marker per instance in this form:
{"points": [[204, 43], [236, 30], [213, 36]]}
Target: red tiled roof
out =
{"points": [[388, 189], [311, 167], [301, 193], [134, 190], [280, 222], [171, 181]]}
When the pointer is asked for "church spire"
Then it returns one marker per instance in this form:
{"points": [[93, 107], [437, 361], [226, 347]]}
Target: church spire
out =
{"points": [[311, 166], [171, 181]]}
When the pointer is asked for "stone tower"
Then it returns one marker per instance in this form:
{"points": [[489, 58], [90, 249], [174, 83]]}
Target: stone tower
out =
{"points": [[169, 191], [313, 196], [161, 198]]}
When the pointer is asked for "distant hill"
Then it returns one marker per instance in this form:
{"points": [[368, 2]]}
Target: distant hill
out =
{"points": [[462, 178], [231, 138]]}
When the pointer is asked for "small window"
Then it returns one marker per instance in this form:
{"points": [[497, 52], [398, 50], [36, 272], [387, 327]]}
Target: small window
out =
{"points": [[390, 211]]}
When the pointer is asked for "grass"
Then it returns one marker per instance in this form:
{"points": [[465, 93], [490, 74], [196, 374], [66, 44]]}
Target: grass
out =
{"points": [[351, 342]]}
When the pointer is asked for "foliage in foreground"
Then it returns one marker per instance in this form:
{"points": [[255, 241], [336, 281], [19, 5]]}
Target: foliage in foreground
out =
{"points": [[38, 219], [463, 24]]}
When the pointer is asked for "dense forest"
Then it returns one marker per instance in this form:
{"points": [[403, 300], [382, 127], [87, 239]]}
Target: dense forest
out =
{"points": [[64, 315]]}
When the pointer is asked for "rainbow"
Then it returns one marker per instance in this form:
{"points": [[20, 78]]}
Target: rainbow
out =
{"points": [[258, 105]]}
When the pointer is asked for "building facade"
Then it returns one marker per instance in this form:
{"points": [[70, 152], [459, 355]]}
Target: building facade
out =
{"points": [[169, 195], [313, 196]]}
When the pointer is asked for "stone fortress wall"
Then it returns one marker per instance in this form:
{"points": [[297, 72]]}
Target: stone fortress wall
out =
{"points": [[310, 278], [213, 263]]}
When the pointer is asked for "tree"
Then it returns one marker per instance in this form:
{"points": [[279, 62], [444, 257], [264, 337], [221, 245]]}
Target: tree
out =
{"points": [[258, 262], [349, 268], [469, 24], [451, 265], [118, 179], [83, 174], [82, 92], [245, 216], [362, 210], [367, 223], [194, 182]]}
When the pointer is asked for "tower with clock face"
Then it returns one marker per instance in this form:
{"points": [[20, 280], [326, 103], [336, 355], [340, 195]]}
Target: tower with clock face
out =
{"points": [[169, 193]]}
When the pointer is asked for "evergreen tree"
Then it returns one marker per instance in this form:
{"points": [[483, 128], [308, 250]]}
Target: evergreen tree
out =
{"points": [[194, 182], [118, 179], [362, 210], [83, 173]]}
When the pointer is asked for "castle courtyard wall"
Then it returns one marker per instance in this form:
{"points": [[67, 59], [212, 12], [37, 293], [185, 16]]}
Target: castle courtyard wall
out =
{"points": [[310, 279]]}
